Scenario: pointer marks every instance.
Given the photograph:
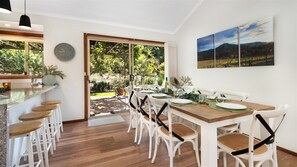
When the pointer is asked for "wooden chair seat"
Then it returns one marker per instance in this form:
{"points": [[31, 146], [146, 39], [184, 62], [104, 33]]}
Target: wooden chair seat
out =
{"points": [[51, 102], [24, 128], [44, 108], [237, 141], [162, 117], [35, 116], [179, 129]]}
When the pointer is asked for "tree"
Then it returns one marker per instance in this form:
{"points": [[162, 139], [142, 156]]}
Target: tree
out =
{"points": [[112, 59]]}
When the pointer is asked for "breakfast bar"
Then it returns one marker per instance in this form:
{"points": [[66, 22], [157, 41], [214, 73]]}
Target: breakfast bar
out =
{"points": [[14, 103]]}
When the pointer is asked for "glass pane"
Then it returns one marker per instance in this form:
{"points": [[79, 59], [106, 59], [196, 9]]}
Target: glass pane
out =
{"points": [[148, 65], [109, 74], [35, 58], [12, 57]]}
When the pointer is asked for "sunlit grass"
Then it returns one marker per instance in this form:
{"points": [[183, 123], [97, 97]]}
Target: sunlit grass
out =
{"points": [[102, 94]]}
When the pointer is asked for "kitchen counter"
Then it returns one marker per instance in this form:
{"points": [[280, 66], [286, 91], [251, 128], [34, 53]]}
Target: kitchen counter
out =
{"points": [[19, 95], [14, 103]]}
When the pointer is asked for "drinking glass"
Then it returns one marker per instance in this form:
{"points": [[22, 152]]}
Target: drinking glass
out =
{"points": [[202, 98]]}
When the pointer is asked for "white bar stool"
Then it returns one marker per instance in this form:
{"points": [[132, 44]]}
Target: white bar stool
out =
{"points": [[55, 130], [58, 110], [25, 130], [45, 134]]}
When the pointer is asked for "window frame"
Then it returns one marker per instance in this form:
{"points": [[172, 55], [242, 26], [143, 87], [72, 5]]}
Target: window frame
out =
{"points": [[21, 36]]}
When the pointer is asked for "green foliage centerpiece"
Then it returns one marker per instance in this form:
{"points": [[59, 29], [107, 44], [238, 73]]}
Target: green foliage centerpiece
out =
{"points": [[191, 96]]}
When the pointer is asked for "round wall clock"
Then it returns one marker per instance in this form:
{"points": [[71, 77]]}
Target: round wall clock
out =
{"points": [[64, 52]]}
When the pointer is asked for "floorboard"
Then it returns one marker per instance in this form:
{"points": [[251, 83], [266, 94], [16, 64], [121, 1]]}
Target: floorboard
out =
{"points": [[111, 146]]}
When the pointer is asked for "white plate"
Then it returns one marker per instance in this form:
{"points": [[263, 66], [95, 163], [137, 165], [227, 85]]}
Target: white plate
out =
{"points": [[181, 101], [147, 91], [231, 106], [159, 95], [4, 97]]}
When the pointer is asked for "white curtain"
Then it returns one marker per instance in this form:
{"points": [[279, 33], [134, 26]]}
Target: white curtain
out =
{"points": [[170, 60]]}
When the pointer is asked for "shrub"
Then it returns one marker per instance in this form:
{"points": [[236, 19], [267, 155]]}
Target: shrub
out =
{"points": [[100, 86], [160, 81], [149, 81]]}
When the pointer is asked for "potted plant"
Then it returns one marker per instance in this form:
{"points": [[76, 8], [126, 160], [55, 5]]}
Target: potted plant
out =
{"points": [[50, 74], [118, 86]]}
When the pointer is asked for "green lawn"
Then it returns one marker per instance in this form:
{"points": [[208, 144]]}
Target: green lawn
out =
{"points": [[101, 94]]}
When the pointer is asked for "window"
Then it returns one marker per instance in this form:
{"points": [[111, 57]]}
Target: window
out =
{"points": [[20, 55]]}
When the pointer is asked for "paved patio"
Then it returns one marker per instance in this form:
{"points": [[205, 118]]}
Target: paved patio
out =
{"points": [[108, 105]]}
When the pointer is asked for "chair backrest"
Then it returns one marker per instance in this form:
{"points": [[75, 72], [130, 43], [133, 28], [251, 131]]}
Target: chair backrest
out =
{"points": [[156, 103], [142, 102], [133, 100], [205, 91], [129, 90], [275, 118], [189, 89], [233, 95], [140, 96]]}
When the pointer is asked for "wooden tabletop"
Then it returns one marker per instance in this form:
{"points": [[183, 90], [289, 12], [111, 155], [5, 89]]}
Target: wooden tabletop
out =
{"points": [[210, 115]]}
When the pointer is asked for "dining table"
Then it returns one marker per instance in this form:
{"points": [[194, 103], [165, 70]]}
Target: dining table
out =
{"points": [[210, 117]]}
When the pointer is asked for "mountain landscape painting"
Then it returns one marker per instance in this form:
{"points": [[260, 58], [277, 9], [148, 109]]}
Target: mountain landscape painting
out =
{"points": [[226, 48], [205, 52], [256, 43], [250, 44]]}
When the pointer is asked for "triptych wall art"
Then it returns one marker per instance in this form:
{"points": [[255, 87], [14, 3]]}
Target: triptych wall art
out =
{"points": [[250, 44]]}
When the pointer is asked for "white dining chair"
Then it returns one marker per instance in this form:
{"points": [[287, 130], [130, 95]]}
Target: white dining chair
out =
{"points": [[143, 109], [148, 119], [129, 90], [134, 115], [180, 134], [189, 89], [234, 95], [206, 91], [247, 147]]}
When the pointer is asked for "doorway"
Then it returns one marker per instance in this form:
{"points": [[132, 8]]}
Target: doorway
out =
{"points": [[113, 63]]}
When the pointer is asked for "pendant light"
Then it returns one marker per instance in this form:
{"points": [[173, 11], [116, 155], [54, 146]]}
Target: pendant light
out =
{"points": [[25, 22], [5, 6]]}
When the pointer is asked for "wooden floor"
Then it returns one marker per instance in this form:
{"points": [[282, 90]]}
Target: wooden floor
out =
{"points": [[111, 146]]}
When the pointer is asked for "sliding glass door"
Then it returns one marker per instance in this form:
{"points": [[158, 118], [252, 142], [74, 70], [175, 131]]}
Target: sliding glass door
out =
{"points": [[148, 64], [115, 63]]}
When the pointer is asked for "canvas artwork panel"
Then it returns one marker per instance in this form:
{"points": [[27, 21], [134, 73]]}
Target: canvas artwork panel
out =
{"points": [[257, 43], [226, 48], [251, 44], [205, 52]]}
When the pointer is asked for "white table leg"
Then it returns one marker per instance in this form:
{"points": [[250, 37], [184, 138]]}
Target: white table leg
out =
{"points": [[208, 146]]}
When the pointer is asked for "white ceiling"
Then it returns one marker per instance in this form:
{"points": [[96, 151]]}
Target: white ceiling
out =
{"points": [[155, 15]]}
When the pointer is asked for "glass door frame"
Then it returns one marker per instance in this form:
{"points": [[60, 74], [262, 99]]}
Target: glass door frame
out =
{"points": [[130, 41]]}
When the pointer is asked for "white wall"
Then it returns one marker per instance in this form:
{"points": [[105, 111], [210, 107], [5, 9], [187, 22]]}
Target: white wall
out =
{"points": [[272, 85], [56, 30]]}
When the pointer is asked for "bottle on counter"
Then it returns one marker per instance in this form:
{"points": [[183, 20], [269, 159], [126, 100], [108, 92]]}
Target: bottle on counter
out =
{"points": [[166, 85]]}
